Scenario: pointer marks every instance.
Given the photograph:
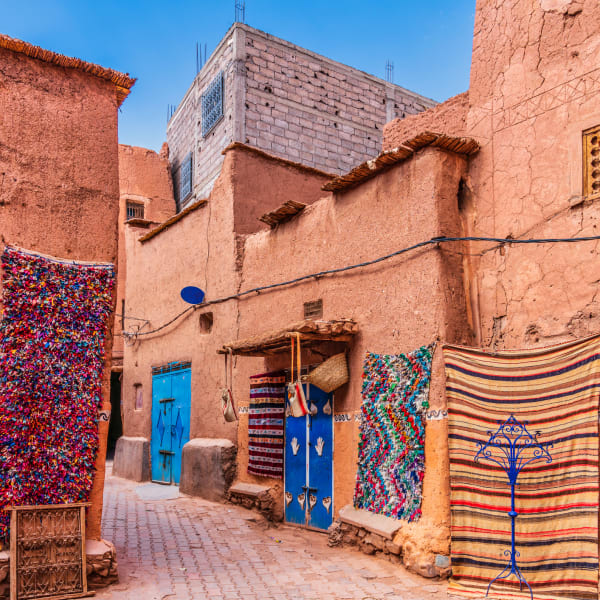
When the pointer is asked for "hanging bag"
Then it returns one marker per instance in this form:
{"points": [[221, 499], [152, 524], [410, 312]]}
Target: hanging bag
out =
{"points": [[330, 374], [227, 404], [296, 397]]}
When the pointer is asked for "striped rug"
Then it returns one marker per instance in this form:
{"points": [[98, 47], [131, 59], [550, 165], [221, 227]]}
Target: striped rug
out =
{"points": [[553, 391], [266, 424]]}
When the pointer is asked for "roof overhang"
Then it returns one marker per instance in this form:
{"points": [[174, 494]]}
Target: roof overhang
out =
{"points": [[406, 150], [311, 333]]}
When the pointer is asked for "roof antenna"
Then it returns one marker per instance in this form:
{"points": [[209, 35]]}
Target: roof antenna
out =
{"points": [[389, 71], [240, 11]]}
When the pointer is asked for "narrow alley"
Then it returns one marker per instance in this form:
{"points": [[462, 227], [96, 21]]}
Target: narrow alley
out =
{"points": [[177, 547]]}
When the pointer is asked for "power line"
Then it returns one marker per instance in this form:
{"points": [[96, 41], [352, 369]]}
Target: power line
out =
{"points": [[431, 242]]}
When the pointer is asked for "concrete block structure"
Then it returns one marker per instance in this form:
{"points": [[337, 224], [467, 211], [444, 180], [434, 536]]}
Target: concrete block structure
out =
{"points": [[288, 101]]}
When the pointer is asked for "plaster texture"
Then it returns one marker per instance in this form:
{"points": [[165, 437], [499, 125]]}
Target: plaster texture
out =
{"points": [[145, 179], [59, 183], [132, 458], [530, 103], [449, 117], [207, 468]]}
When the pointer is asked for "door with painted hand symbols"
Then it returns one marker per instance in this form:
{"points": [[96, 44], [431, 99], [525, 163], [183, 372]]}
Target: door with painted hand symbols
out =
{"points": [[171, 402], [308, 495]]}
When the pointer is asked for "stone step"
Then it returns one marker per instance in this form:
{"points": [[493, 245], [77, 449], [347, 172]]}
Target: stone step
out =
{"points": [[384, 526]]}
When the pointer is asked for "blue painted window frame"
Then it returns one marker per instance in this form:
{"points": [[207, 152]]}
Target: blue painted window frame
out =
{"points": [[212, 101]]}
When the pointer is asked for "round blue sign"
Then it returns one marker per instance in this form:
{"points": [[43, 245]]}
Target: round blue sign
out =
{"points": [[192, 295]]}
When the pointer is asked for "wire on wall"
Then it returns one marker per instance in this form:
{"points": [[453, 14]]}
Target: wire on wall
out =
{"points": [[435, 241]]}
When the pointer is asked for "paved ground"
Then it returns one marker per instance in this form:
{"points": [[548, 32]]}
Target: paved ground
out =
{"points": [[180, 548]]}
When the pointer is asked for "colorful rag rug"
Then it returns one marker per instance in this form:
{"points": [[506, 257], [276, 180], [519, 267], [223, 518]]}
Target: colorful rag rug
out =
{"points": [[52, 334], [266, 424], [391, 457], [553, 391]]}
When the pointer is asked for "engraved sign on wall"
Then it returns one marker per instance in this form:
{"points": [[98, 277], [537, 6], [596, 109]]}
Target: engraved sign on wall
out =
{"points": [[47, 552], [212, 104]]}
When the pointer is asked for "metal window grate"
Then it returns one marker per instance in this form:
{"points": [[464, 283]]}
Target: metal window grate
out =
{"points": [[185, 178], [212, 104], [591, 161], [313, 310], [135, 210]]}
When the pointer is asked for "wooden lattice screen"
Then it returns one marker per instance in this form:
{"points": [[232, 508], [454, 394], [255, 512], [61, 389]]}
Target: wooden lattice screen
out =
{"points": [[47, 552]]}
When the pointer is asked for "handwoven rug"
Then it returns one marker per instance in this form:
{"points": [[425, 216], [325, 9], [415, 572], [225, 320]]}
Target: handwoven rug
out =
{"points": [[553, 391], [52, 334], [266, 424], [391, 458]]}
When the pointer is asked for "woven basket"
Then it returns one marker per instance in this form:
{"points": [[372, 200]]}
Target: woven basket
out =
{"points": [[331, 374]]}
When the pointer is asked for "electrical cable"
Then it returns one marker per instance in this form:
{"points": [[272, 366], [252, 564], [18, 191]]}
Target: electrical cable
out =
{"points": [[431, 242]]}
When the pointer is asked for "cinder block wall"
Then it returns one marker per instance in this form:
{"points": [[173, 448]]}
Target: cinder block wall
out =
{"points": [[287, 101]]}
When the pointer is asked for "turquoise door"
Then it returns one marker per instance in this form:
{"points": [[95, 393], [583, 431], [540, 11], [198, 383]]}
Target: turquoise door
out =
{"points": [[171, 403], [308, 486]]}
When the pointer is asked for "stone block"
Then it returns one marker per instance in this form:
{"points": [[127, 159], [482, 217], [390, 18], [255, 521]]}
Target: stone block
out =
{"points": [[392, 547], [207, 468], [252, 490], [442, 561], [374, 540], [386, 527], [132, 458]]}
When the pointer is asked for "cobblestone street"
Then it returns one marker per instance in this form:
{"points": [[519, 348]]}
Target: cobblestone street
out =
{"points": [[183, 548]]}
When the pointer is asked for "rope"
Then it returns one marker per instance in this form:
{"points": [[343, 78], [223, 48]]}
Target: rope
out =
{"points": [[432, 242]]}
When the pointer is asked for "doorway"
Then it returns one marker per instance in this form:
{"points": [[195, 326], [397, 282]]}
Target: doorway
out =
{"points": [[308, 485], [171, 404]]}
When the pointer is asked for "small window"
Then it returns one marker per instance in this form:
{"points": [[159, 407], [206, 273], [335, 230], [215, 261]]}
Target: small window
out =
{"points": [[183, 183], [135, 210], [139, 396], [314, 309], [212, 104], [206, 322], [591, 161]]}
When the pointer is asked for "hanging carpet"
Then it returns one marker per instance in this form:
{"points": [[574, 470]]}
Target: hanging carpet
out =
{"points": [[553, 391], [266, 424], [391, 457], [52, 335]]}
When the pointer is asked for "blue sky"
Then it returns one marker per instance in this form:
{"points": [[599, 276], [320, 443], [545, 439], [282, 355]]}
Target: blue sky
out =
{"points": [[429, 42]]}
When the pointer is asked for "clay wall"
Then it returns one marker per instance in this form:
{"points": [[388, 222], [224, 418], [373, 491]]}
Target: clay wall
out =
{"points": [[199, 249], [59, 182], [399, 305], [287, 101], [530, 102], [449, 117], [144, 178]]}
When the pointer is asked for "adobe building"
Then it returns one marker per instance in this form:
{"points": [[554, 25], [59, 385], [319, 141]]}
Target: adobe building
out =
{"points": [[262, 91], [145, 200], [59, 190], [514, 157]]}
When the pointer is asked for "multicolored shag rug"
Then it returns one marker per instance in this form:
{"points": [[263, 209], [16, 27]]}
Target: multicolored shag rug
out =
{"points": [[266, 416], [391, 458], [52, 335], [553, 392]]}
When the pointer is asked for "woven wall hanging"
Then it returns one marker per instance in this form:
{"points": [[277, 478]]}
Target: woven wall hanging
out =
{"points": [[52, 335]]}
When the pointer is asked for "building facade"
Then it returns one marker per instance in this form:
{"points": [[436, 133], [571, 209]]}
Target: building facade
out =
{"points": [[288, 101], [59, 192], [514, 157]]}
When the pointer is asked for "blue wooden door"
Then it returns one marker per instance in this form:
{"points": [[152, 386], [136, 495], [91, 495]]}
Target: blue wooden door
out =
{"points": [[308, 491], [160, 442], [181, 390], [320, 459], [171, 402]]}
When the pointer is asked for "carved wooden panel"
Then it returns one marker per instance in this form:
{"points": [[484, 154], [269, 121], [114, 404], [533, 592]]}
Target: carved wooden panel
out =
{"points": [[47, 552], [591, 161]]}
